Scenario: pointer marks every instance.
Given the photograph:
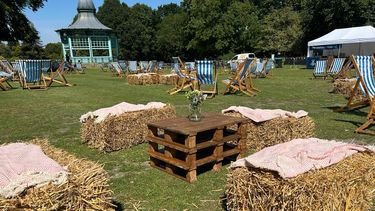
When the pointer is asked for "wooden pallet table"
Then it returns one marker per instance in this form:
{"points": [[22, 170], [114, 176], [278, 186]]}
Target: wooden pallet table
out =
{"points": [[179, 146]]}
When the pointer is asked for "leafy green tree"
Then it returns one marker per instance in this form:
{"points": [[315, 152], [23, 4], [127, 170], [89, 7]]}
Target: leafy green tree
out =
{"points": [[14, 25], [53, 51], [170, 36], [281, 31]]}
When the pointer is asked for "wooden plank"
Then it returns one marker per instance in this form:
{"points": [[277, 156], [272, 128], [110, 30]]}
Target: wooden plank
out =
{"points": [[176, 175], [173, 145], [231, 152], [173, 161], [206, 160], [183, 125]]}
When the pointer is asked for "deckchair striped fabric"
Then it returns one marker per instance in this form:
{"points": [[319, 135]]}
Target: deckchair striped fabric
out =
{"points": [[336, 65], [16, 66], [122, 64], [268, 66], [366, 69], [31, 70], [151, 66], [46, 65], [160, 65], [143, 65], [190, 66], [233, 66], [243, 72], [176, 67], [205, 72], [259, 68], [320, 67], [133, 67]]}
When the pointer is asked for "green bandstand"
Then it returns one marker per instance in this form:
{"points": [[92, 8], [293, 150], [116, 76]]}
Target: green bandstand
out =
{"points": [[87, 40]]}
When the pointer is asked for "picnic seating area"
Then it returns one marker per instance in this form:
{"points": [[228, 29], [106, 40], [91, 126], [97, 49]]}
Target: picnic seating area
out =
{"points": [[141, 133]]}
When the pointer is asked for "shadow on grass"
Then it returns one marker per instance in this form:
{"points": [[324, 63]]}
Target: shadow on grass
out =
{"points": [[357, 124], [339, 109], [118, 205]]}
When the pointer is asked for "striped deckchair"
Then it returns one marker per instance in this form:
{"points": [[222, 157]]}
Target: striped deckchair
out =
{"points": [[152, 67], [233, 66], [143, 66], [241, 81], [185, 80], [160, 65], [31, 74], [259, 70], [58, 76], [336, 66], [123, 64], [207, 76], [4, 79], [133, 67], [320, 69], [190, 66], [366, 83], [117, 70], [268, 68], [11, 68], [46, 66]]}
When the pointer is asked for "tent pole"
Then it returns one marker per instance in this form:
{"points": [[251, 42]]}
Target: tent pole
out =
{"points": [[338, 53]]}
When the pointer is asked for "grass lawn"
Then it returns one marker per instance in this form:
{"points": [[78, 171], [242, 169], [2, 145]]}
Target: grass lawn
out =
{"points": [[54, 114]]}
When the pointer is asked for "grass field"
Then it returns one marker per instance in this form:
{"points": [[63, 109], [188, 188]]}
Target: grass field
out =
{"points": [[54, 114]]}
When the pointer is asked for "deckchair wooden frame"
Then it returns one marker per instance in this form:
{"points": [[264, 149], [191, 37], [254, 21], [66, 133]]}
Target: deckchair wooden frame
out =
{"points": [[345, 71], [11, 70], [41, 84], [262, 73], [5, 80], [244, 84], [59, 73], [369, 99], [214, 91], [155, 69], [351, 104], [185, 80]]}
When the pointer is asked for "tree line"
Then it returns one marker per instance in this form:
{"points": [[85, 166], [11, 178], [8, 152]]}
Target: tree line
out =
{"points": [[198, 29]]}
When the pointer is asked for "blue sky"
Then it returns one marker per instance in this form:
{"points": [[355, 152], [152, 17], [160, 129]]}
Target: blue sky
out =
{"points": [[58, 14]]}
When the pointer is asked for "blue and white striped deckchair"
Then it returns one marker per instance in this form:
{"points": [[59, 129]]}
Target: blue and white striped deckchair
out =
{"points": [[190, 66], [268, 68], [259, 70], [58, 75], [133, 67], [151, 67], [238, 82], [336, 66], [5, 76], [207, 76], [143, 66], [117, 70], [31, 74], [366, 83], [46, 66], [160, 65], [184, 80], [233, 66], [123, 65], [320, 69]]}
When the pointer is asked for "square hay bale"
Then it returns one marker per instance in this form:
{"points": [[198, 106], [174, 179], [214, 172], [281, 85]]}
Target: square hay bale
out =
{"points": [[143, 79], [87, 187], [169, 79], [276, 131], [347, 185], [345, 87], [123, 131]]}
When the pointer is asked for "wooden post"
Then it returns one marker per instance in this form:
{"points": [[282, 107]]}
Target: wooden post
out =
{"points": [[218, 152]]}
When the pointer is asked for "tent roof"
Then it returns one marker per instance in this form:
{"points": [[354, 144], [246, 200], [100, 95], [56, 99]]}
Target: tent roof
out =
{"points": [[361, 34]]}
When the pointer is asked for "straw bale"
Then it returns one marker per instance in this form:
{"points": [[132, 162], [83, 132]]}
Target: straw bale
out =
{"points": [[123, 131], [143, 79], [169, 79], [345, 87], [276, 131], [87, 187], [348, 185]]}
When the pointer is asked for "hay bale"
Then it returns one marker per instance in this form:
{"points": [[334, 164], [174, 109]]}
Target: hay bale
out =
{"points": [[345, 87], [123, 131], [87, 187], [276, 131], [169, 79], [143, 79], [349, 184]]}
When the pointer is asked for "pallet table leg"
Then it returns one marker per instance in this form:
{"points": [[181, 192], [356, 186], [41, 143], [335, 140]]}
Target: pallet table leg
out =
{"points": [[242, 142], [191, 175], [219, 149]]}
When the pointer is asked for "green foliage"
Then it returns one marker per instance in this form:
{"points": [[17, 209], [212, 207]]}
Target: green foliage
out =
{"points": [[53, 51], [14, 25], [281, 31]]}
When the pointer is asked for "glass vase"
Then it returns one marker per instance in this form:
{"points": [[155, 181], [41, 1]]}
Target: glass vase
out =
{"points": [[195, 114]]}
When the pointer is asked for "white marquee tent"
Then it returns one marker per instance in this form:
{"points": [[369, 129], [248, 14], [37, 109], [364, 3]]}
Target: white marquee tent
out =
{"points": [[344, 42]]}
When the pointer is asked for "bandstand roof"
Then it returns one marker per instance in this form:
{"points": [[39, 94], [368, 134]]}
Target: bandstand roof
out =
{"points": [[86, 18]]}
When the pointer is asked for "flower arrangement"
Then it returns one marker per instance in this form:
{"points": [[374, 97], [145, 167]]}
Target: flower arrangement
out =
{"points": [[196, 98]]}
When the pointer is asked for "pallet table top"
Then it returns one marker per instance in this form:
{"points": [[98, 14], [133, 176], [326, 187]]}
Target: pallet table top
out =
{"points": [[183, 125]]}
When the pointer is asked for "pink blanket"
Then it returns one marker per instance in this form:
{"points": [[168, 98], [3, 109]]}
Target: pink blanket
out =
{"points": [[298, 156], [262, 115], [25, 165], [101, 114]]}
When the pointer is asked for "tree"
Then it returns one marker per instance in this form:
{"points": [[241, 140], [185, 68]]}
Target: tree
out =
{"points": [[13, 23], [281, 30], [53, 51]]}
